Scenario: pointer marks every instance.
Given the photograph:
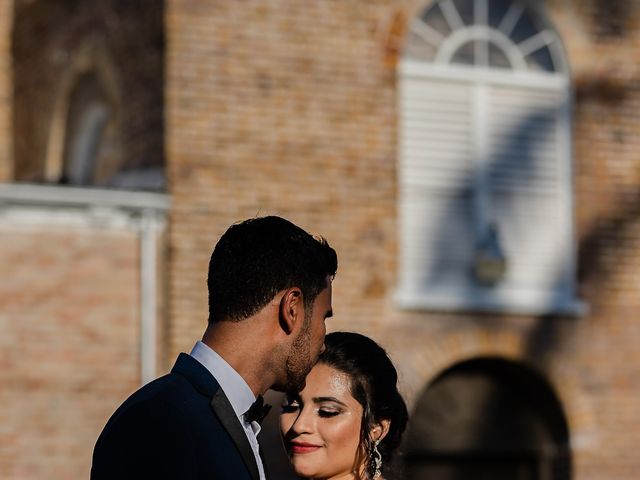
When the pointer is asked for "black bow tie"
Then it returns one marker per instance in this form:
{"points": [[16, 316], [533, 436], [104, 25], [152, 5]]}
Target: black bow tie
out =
{"points": [[257, 411]]}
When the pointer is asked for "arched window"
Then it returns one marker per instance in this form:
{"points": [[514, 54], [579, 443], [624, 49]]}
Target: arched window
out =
{"points": [[88, 115], [485, 161]]}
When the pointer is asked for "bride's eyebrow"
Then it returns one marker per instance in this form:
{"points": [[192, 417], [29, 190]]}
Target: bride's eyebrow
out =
{"points": [[328, 399]]}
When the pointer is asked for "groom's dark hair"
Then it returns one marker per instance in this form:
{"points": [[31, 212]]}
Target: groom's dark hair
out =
{"points": [[257, 258]]}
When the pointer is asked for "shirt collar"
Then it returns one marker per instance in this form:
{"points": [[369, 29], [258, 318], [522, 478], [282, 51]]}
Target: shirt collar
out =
{"points": [[233, 385]]}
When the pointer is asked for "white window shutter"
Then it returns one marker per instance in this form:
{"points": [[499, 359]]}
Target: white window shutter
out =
{"points": [[523, 191], [526, 180], [435, 174]]}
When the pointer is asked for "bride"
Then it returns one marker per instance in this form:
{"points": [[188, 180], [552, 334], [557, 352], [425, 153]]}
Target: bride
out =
{"points": [[349, 418]]}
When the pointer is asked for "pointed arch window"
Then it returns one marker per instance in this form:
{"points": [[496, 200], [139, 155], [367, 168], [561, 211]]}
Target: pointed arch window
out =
{"points": [[88, 116], [485, 197]]}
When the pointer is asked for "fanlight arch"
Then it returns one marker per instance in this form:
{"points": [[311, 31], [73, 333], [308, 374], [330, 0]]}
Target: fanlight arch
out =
{"points": [[487, 33]]}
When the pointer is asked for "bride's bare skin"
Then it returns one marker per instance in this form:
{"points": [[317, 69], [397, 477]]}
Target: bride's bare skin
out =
{"points": [[321, 428]]}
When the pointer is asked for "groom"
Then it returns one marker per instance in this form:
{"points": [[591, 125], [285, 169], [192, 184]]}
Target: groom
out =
{"points": [[269, 295]]}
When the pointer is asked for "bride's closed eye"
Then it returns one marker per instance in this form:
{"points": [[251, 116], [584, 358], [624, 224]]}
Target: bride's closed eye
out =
{"points": [[328, 412], [290, 405]]}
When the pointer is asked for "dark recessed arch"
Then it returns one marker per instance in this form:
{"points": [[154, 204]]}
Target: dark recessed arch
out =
{"points": [[488, 418]]}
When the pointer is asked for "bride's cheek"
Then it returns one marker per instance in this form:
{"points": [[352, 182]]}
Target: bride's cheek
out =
{"points": [[285, 423]]}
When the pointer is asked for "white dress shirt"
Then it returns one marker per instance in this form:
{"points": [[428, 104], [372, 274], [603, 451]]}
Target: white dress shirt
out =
{"points": [[237, 391]]}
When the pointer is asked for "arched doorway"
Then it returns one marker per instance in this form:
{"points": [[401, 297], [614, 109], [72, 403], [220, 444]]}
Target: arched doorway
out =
{"points": [[490, 419]]}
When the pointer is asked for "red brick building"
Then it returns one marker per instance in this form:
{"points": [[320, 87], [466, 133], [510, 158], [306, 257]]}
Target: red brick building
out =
{"points": [[472, 161]]}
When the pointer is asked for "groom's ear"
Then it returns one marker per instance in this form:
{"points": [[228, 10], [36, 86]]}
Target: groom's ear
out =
{"points": [[291, 310], [380, 430]]}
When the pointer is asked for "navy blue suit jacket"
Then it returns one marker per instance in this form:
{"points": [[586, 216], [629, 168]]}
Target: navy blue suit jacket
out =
{"points": [[180, 426]]}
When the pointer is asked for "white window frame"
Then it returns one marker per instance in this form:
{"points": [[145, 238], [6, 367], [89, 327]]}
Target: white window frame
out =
{"points": [[558, 300]]}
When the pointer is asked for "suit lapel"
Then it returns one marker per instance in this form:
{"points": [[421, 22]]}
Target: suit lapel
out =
{"points": [[227, 416], [206, 384]]}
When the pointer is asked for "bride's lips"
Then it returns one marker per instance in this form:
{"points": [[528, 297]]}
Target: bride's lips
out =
{"points": [[302, 447]]}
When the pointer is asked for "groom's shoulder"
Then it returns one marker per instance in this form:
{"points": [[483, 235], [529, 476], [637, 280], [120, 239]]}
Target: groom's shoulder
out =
{"points": [[177, 392], [153, 399], [154, 417], [188, 379]]}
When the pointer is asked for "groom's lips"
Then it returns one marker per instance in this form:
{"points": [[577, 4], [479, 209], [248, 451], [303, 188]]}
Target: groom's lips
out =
{"points": [[302, 447]]}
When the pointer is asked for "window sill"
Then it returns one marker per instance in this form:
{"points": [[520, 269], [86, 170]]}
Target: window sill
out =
{"points": [[516, 302]]}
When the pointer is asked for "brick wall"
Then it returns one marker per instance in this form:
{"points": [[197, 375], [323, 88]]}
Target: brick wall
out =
{"points": [[286, 110], [69, 348]]}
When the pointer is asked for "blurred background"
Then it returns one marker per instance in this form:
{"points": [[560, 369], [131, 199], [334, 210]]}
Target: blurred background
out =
{"points": [[474, 163]]}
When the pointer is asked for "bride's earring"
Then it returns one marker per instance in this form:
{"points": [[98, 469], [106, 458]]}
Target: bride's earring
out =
{"points": [[377, 459]]}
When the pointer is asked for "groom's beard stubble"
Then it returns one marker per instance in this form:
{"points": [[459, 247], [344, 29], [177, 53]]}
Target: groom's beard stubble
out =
{"points": [[298, 362]]}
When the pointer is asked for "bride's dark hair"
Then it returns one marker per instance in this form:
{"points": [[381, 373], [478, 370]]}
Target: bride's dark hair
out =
{"points": [[374, 384]]}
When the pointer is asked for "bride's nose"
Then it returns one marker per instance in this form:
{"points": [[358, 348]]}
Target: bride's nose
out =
{"points": [[304, 421]]}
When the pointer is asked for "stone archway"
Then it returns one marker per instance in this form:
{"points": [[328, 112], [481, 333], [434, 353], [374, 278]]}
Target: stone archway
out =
{"points": [[488, 418]]}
